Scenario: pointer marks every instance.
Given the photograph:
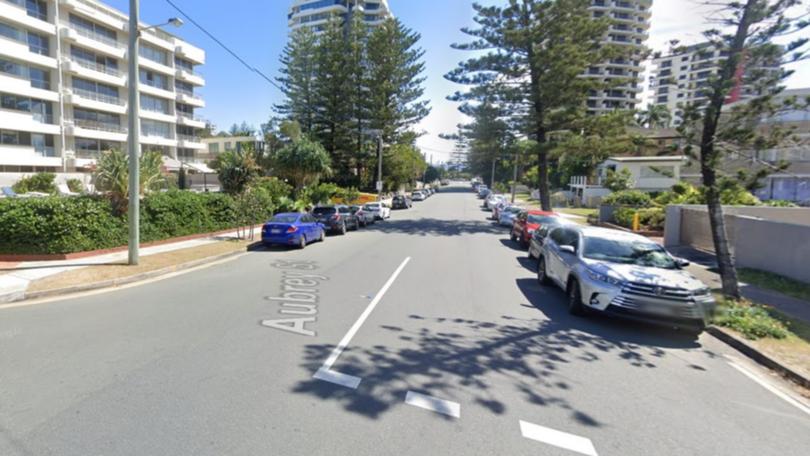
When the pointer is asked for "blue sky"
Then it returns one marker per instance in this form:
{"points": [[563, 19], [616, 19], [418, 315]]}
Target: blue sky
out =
{"points": [[257, 30]]}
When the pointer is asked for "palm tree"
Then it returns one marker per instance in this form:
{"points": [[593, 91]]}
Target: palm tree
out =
{"points": [[112, 176], [655, 116]]}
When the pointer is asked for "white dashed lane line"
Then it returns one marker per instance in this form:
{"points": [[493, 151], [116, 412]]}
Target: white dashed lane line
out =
{"points": [[557, 438], [433, 404], [326, 373]]}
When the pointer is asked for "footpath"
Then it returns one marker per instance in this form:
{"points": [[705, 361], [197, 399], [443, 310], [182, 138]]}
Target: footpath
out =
{"points": [[36, 279]]}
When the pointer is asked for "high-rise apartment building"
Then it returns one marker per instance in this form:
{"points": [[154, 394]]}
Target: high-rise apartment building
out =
{"points": [[630, 28], [63, 87], [315, 14], [682, 78]]}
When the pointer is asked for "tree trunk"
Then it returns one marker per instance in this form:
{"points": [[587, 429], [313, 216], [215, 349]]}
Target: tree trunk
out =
{"points": [[709, 156], [539, 119]]}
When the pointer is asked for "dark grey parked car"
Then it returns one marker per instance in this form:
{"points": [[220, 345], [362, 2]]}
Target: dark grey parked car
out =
{"points": [[336, 219]]}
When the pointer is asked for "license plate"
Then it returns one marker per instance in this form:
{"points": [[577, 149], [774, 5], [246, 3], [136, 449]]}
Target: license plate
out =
{"points": [[275, 231]]}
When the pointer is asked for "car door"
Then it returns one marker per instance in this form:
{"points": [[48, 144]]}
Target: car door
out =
{"points": [[552, 257], [308, 227], [568, 237]]}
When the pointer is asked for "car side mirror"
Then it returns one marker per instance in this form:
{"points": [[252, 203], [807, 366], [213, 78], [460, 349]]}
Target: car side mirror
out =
{"points": [[568, 249], [682, 263]]}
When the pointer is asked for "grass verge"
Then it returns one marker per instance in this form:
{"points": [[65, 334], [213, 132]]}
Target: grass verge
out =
{"points": [[580, 211], [105, 272], [768, 330], [776, 282]]}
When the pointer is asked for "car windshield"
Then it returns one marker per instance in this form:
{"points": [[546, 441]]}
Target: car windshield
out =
{"points": [[324, 210], [513, 210], [285, 219], [540, 219], [627, 251], [372, 207]]}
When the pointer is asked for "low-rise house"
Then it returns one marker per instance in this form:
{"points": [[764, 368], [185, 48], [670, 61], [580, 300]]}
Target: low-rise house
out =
{"points": [[649, 174]]}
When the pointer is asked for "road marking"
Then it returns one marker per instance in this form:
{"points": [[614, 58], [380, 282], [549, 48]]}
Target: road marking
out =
{"points": [[556, 438], [434, 404], [767, 385], [326, 373]]}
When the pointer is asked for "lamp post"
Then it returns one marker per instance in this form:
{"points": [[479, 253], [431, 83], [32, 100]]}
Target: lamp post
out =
{"points": [[134, 137]]}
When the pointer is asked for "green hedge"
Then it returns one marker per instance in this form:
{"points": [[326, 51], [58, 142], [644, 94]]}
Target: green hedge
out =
{"points": [[76, 224], [635, 198], [652, 218]]}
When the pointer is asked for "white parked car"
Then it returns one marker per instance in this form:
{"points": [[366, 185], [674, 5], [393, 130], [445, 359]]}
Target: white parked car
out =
{"points": [[381, 211], [418, 196], [623, 274], [508, 214], [492, 200]]}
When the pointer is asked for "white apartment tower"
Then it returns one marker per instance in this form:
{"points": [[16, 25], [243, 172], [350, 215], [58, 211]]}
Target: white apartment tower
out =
{"points": [[681, 78], [315, 14], [630, 28], [63, 79]]}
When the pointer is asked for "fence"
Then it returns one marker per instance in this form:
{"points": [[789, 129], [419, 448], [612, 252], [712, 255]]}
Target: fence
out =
{"points": [[770, 239]]}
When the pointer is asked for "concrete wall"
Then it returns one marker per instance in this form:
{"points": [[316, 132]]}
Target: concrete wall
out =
{"points": [[770, 239]]}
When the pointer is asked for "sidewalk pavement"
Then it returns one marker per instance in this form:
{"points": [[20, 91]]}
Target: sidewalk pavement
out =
{"points": [[15, 278], [704, 266]]}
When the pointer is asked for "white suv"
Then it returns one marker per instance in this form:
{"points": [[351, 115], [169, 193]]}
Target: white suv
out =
{"points": [[624, 274]]}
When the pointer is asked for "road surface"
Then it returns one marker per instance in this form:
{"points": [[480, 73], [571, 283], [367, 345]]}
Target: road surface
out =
{"points": [[426, 334]]}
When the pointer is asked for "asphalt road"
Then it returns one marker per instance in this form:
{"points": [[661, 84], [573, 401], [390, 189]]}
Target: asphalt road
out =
{"points": [[184, 366]]}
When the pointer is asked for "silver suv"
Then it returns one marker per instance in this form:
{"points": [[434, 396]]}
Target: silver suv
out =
{"points": [[623, 274]]}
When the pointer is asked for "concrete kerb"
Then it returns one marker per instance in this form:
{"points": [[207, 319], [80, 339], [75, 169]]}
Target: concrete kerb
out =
{"points": [[113, 283], [763, 359]]}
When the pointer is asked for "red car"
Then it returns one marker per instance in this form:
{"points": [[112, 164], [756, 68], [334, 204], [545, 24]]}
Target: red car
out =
{"points": [[527, 222]]}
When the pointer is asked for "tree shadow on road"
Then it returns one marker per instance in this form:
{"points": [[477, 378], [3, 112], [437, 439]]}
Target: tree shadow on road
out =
{"points": [[435, 227], [440, 356]]}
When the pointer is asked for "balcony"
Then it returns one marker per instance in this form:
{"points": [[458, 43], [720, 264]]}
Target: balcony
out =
{"points": [[93, 71], [99, 126], [25, 53], [92, 40], [190, 99], [184, 118], [16, 11], [96, 101], [189, 76], [24, 86], [192, 53], [96, 130], [190, 142]]}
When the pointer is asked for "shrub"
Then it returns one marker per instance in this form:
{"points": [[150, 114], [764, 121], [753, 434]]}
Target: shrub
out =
{"points": [[635, 198], [275, 187], [780, 203], [66, 225], [752, 321], [619, 181], [650, 218], [59, 225], [40, 182], [75, 185]]}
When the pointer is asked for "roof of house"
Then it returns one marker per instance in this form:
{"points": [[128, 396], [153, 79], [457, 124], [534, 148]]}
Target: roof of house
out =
{"points": [[667, 158]]}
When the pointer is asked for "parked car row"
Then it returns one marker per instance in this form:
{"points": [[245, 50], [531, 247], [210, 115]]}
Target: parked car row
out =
{"points": [[299, 229], [607, 271]]}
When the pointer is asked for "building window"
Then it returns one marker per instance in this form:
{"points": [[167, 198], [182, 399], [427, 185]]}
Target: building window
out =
{"points": [[95, 31], [184, 64], [154, 104], [42, 110], [96, 120], [94, 61], [153, 79], [656, 172], [40, 79], [228, 145], [154, 54], [92, 148], [213, 148], [154, 128], [96, 91], [184, 88]]}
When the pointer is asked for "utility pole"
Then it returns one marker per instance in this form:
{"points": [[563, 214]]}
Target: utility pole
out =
{"points": [[492, 175], [134, 135], [514, 176], [379, 167]]}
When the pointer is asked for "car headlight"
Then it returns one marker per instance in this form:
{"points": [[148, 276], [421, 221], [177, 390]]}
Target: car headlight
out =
{"points": [[603, 278]]}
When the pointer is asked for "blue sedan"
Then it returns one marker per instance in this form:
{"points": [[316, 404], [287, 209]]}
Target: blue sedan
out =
{"points": [[292, 229]]}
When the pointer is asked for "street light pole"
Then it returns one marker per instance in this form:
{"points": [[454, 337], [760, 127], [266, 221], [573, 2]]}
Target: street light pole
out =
{"points": [[379, 167], [134, 139]]}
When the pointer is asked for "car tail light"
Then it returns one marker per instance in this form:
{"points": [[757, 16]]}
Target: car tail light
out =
{"points": [[292, 229], [336, 217]]}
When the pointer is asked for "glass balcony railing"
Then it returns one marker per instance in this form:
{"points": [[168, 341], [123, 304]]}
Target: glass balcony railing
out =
{"points": [[31, 9], [95, 96], [100, 126], [188, 94], [95, 66], [189, 138]]}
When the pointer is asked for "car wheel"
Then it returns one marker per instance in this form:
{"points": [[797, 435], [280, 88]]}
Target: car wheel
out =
{"points": [[575, 306], [542, 278], [512, 236], [322, 237], [343, 229], [302, 243]]}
